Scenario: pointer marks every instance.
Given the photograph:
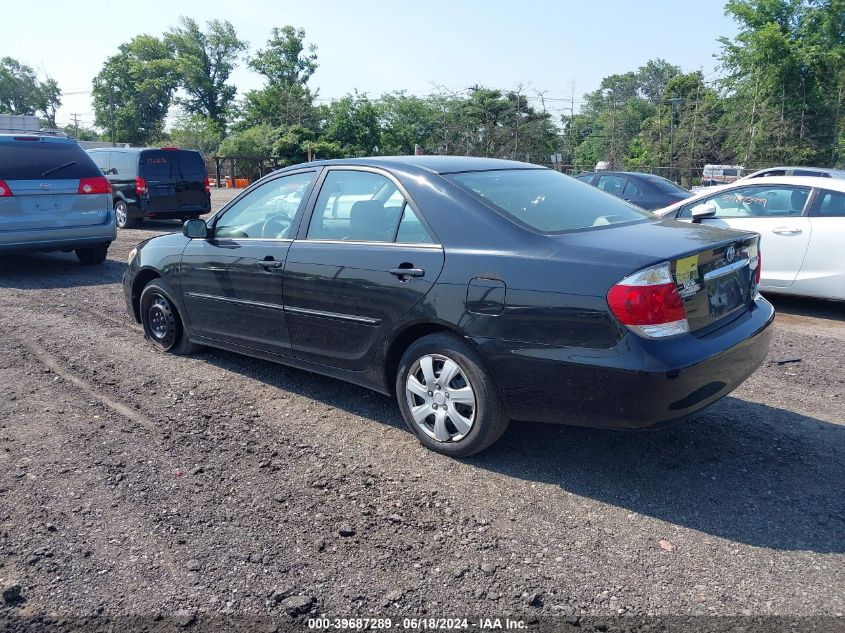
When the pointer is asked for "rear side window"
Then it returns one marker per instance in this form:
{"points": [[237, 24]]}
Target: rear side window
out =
{"points": [[830, 204], [666, 186], [124, 164], [191, 165], [33, 160], [547, 201]]}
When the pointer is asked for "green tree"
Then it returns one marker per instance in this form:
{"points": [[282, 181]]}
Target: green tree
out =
{"points": [[204, 61], [786, 81], [256, 141], [136, 87], [407, 121], [352, 123], [197, 132], [286, 64], [21, 92]]}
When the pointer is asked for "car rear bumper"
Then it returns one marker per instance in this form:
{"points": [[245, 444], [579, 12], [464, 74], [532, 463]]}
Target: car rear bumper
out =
{"points": [[140, 208], [638, 383], [66, 238]]}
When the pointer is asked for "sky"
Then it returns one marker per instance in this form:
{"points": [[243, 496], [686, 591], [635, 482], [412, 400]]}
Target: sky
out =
{"points": [[378, 46]]}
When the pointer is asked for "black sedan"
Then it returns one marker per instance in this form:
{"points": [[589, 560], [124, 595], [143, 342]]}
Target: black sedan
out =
{"points": [[473, 290], [644, 190]]}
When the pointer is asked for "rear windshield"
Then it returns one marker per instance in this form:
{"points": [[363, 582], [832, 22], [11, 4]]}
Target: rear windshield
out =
{"points": [[667, 186], [172, 165], [546, 200], [31, 160]]}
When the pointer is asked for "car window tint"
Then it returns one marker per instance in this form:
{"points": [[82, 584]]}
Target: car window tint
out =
{"points": [[831, 204], [546, 200], [101, 160], [612, 184], [588, 178], [28, 160], [159, 165], [356, 205], [760, 201], [267, 211], [411, 230], [667, 186], [191, 165], [124, 164], [631, 189], [807, 172]]}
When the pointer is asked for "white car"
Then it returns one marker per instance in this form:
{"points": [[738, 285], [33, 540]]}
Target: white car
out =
{"points": [[801, 221]]}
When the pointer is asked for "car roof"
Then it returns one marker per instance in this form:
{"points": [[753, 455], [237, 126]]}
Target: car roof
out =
{"points": [[826, 170], [609, 172], [832, 184], [42, 138], [142, 149], [433, 163]]}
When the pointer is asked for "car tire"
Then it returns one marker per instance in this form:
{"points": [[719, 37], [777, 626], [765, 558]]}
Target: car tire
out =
{"points": [[162, 323], [463, 416], [93, 255], [121, 215]]}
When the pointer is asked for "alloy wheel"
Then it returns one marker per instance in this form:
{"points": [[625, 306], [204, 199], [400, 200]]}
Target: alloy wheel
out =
{"points": [[441, 398], [120, 213]]}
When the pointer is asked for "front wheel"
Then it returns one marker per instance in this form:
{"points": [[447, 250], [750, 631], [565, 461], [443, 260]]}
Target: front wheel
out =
{"points": [[121, 216], [447, 397], [93, 255], [163, 326]]}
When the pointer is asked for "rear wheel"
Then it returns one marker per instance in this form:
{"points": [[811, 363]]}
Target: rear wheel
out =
{"points": [[93, 255], [162, 323], [121, 216], [447, 397]]}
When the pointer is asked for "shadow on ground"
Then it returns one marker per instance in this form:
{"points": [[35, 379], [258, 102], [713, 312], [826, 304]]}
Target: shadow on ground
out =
{"points": [[741, 471], [56, 270]]}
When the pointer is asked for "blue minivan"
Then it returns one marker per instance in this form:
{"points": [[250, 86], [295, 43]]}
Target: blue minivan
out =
{"points": [[53, 198]]}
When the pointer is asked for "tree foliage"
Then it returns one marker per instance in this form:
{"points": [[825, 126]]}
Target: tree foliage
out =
{"points": [[21, 92], [204, 62], [135, 88]]}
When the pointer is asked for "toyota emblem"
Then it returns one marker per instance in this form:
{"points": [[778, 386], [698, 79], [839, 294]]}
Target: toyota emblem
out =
{"points": [[730, 254], [46, 186]]}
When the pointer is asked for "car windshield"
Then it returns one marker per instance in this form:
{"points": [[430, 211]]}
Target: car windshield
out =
{"points": [[546, 200], [667, 186]]}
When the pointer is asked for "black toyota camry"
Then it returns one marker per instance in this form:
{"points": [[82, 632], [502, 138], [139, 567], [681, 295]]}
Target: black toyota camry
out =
{"points": [[473, 290]]}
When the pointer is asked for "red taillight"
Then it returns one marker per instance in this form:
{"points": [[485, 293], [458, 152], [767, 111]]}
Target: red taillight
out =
{"points": [[140, 186], [648, 303], [207, 185], [97, 184], [5, 191]]}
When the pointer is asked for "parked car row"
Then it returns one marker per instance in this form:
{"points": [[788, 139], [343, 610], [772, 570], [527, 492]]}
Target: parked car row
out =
{"points": [[472, 290]]}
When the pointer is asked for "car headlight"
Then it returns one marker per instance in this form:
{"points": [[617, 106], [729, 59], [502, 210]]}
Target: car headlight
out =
{"points": [[132, 254]]}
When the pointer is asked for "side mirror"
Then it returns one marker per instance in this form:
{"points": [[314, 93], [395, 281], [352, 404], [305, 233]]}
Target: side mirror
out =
{"points": [[703, 210], [195, 229]]}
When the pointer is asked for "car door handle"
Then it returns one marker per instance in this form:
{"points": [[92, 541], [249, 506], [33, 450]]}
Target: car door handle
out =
{"points": [[269, 265], [787, 230], [407, 272]]}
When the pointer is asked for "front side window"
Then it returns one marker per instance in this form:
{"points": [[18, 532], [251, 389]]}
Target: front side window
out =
{"points": [[760, 201], [547, 201], [266, 212], [357, 206], [830, 204]]}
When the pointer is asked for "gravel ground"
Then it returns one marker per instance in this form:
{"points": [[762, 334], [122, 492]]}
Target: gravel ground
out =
{"points": [[138, 483]]}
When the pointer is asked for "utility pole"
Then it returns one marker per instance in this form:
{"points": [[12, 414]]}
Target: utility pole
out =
{"points": [[672, 103], [111, 114], [75, 125]]}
